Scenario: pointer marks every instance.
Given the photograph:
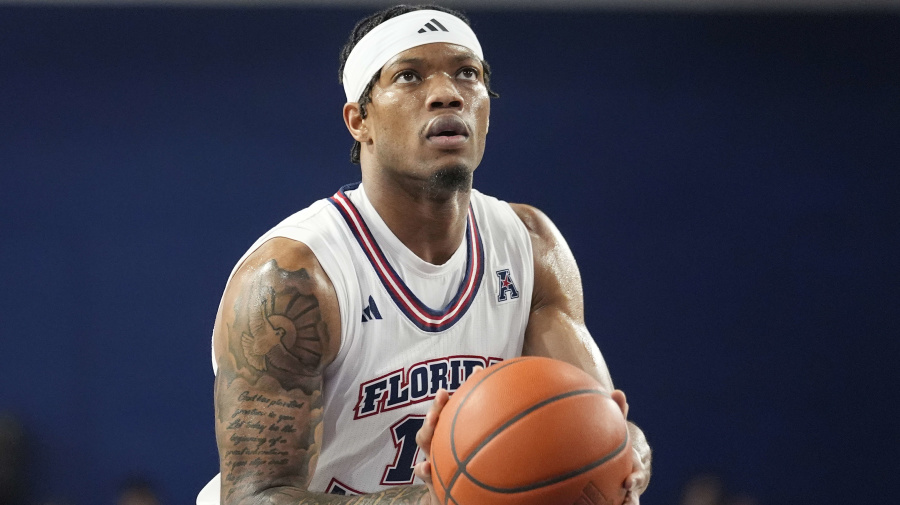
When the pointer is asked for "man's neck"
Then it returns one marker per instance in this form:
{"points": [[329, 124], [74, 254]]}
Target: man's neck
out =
{"points": [[428, 217]]}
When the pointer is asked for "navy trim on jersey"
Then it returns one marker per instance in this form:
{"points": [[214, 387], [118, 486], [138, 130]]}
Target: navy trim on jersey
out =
{"points": [[424, 317]]}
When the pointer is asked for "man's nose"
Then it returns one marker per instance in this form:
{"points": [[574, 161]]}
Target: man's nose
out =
{"points": [[443, 94]]}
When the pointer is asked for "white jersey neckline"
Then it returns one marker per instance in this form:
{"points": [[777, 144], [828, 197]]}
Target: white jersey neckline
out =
{"points": [[397, 250]]}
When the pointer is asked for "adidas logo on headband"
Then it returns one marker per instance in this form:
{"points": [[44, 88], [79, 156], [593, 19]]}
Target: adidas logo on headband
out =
{"points": [[432, 26]]}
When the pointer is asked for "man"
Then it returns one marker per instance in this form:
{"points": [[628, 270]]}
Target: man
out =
{"points": [[329, 346]]}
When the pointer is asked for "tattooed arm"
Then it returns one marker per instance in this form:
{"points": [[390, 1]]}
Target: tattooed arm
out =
{"points": [[278, 328]]}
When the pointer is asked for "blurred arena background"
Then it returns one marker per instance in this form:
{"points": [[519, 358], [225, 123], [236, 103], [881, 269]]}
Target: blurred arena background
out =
{"points": [[726, 173]]}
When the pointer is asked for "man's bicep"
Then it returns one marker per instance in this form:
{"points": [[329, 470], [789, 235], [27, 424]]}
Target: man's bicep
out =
{"points": [[556, 326], [552, 334], [275, 334]]}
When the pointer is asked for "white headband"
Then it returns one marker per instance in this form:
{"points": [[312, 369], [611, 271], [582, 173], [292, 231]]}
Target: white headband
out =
{"points": [[397, 35]]}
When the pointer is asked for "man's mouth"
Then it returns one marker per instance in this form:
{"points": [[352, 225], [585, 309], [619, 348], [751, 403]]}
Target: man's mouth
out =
{"points": [[447, 131]]}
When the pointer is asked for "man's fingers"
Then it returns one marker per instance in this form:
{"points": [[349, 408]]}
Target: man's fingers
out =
{"points": [[423, 437], [618, 396], [632, 498], [440, 399], [426, 432], [423, 471], [636, 481]]}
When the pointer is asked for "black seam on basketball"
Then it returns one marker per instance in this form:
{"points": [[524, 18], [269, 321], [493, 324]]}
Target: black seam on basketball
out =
{"points": [[434, 471], [527, 411], [553, 480], [460, 464]]}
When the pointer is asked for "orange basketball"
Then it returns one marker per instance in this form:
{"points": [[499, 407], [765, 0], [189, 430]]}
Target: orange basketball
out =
{"points": [[531, 431]]}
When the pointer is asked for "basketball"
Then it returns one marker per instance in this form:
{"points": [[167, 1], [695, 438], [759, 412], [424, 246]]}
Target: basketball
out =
{"points": [[531, 431]]}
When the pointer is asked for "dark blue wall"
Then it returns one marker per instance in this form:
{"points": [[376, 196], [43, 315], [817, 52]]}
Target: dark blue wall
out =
{"points": [[728, 183]]}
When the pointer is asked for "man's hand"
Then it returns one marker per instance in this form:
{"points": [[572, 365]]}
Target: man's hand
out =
{"points": [[639, 478], [423, 439], [426, 433]]}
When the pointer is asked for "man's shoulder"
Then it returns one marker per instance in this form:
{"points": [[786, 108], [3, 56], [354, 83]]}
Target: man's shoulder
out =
{"points": [[522, 210], [296, 237], [310, 215], [535, 221], [545, 236], [318, 222], [493, 205]]}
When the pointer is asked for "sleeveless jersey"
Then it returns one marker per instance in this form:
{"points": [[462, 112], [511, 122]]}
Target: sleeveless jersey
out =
{"points": [[408, 327]]}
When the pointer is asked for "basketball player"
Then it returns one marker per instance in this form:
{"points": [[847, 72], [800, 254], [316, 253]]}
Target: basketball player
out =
{"points": [[340, 327]]}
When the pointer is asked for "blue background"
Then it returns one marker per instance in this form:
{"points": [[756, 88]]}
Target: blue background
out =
{"points": [[727, 182]]}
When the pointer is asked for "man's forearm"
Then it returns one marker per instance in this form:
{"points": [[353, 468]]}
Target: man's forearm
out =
{"points": [[403, 495]]}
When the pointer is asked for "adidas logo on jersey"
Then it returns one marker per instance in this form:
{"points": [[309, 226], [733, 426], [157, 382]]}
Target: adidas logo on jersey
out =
{"points": [[433, 26], [371, 312]]}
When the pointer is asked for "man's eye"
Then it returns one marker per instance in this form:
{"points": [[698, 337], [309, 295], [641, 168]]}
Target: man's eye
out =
{"points": [[469, 73], [407, 76]]}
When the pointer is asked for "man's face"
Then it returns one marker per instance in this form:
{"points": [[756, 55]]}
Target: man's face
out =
{"points": [[429, 112]]}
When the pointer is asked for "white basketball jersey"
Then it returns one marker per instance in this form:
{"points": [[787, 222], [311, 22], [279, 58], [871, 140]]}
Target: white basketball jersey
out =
{"points": [[408, 327]]}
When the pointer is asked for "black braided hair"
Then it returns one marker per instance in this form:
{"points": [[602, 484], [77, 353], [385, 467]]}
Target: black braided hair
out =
{"points": [[366, 25]]}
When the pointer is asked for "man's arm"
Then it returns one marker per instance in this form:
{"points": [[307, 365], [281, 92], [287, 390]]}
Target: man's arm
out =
{"points": [[556, 327], [278, 328]]}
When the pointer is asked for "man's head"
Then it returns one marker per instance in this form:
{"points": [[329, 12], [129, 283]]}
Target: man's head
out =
{"points": [[414, 76]]}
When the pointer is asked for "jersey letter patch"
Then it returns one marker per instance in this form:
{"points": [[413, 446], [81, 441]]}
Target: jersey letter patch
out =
{"points": [[508, 289]]}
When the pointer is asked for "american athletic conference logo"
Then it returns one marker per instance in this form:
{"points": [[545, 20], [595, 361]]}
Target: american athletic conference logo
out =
{"points": [[507, 288]]}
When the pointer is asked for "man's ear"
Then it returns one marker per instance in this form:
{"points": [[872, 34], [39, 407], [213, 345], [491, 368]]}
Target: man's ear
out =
{"points": [[356, 124]]}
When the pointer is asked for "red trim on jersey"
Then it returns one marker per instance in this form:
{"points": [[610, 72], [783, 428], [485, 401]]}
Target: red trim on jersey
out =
{"points": [[420, 314]]}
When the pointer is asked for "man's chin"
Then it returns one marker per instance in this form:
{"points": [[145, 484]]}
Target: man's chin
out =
{"points": [[452, 178]]}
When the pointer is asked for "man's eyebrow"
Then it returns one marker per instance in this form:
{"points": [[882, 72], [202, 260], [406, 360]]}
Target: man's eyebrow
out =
{"points": [[464, 57], [467, 57], [408, 61]]}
